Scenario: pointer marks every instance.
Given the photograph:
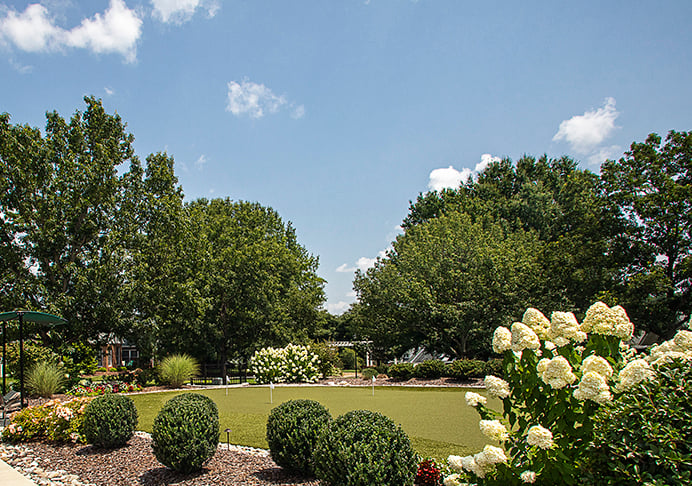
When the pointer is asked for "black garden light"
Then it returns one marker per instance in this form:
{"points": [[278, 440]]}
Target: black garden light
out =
{"points": [[22, 316], [228, 439]]}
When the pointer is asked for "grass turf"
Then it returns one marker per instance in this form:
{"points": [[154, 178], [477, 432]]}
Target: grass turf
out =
{"points": [[437, 420]]}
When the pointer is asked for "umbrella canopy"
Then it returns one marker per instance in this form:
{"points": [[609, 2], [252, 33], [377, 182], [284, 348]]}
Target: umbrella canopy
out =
{"points": [[23, 316]]}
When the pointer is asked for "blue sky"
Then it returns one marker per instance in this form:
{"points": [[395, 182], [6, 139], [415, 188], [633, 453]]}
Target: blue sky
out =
{"points": [[338, 113]]}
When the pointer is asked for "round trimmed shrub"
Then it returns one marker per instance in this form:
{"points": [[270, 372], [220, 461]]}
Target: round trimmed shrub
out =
{"points": [[401, 371], [645, 435], [186, 432], [368, 373], [362, 448], [431, 369], [109, 420], [292, 432]]}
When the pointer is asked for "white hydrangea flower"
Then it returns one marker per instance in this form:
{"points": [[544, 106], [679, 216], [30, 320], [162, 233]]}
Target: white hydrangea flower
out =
{"points": [[523, 337], [634, 372], [601, 319], [593, 387], [528, 477], [502, 340], [538, 322], [598, 365], [556, 372], [473, 399], [452, 480], [564, 328], [494, 429], [540, 437], [683, 339], [491, 455], [456, 463], [497, 387]]}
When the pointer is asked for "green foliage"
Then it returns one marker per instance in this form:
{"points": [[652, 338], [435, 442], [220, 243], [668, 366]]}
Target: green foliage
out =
{"points": [[494, 367], [430, 369], [33, 353], [401, 371], [54, 421], [649, 190], [368, 373], [464, 369], [186, 432], [79, 359], [645, 436], [292, 432], [110, 421], [348, 359], [447, 283], [363, 448], [328, 357], [178, 369], [45, 379]]}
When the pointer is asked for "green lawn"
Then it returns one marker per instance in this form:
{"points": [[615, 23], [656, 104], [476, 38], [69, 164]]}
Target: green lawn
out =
{"points": [[437, 420]]}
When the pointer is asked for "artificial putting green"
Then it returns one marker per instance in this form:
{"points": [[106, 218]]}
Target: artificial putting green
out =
{"points": [[437, 420]]}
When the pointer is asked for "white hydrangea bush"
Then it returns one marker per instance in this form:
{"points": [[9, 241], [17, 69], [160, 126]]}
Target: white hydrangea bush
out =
{"points": [[291, 364], [558, 373]]}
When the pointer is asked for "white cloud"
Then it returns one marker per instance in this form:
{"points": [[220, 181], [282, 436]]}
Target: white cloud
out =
{"points": [[298, 112], [180, 11], [448, 178], [199, 163], [362, 264], [586, 132], [34, 30], [255, 100], [109, 91], [603, 154], [451, 178], [486, 160], [339, 307], [252, 99]]}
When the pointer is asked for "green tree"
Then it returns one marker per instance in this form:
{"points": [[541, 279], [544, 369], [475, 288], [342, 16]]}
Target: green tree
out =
{"points": [[650, 191], [557, 200], [59, 213], [447, 284], [258, 285]]}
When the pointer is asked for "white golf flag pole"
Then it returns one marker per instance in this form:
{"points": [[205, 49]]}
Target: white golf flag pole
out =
{"points": [[271, 392], [373, 386]]}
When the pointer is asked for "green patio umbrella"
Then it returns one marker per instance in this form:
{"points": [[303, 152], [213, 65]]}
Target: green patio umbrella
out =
{"points": [[22, 316]]}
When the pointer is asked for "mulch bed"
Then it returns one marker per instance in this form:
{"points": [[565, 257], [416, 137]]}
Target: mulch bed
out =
{"points": [[135, 464]]}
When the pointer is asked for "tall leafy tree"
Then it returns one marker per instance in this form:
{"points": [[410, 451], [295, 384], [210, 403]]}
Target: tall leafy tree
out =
{"points": [[258, 285], [59, 212], [447, 284], [650, 191]]}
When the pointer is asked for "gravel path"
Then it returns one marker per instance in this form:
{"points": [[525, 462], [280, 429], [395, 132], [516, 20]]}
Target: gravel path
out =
{"points": [[135, 464]]}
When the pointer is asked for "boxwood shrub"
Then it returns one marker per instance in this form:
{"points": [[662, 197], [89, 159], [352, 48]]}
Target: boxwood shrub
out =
{"points": [[364, 448], [401, 371], [292, 432], [186, 432], [109, 420], [431, 369]]}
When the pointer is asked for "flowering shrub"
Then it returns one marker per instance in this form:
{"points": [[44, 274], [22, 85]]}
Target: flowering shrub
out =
{"points": [[645, 436], [55, 420], [429, 473], [292, 364], [558, 374], [87, 388]]}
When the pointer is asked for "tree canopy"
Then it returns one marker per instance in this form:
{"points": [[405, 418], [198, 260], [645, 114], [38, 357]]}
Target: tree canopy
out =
{"points": [[90, 234]]}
